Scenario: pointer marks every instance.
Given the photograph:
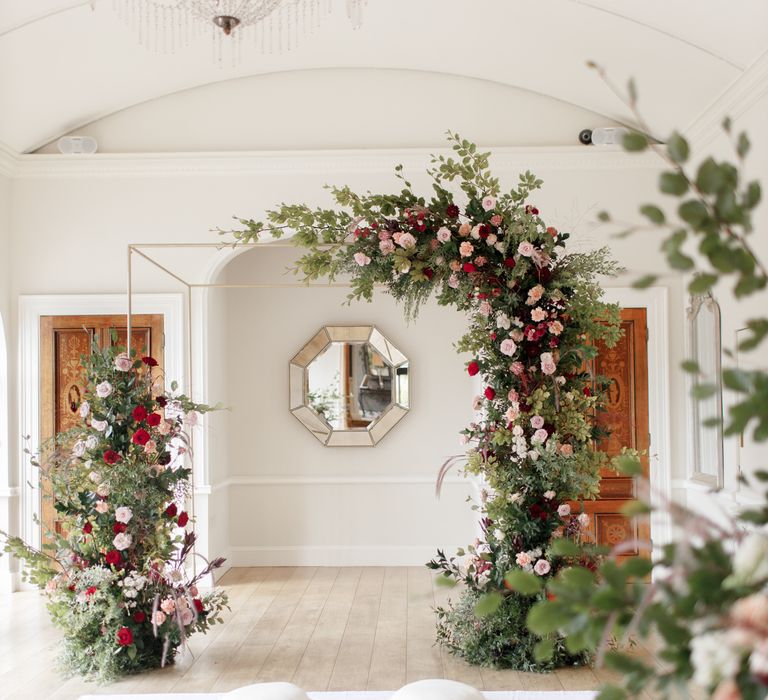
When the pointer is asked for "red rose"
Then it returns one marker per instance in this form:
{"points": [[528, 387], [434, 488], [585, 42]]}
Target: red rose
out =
{"points": [[113, 557], [111, 457], [161, 401], [171, 510], [139, 413], [482, 295], [139, 616], [183, 519], [490, 393], [452, 211], [124, 637], [88, 528], [153, 420], [468, 267], [509, 262], [149, 361], [587, 391], [119, 527], [473, 368], [140, 437], [198, 605], [552, 231]]}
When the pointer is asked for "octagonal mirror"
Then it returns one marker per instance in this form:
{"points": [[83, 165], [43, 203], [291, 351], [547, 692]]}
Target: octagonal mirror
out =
{"points": [[349, 386]]}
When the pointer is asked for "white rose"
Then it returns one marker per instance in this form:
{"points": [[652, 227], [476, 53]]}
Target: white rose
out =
{"points": [[122, 541], [750, 562], [542, 567], [103, 390], [91, 442], [583, 519], [123, 514], [498, 534], [100, 425], [85, 409], [123, 362], [564, 510], [715, 657], [78, 449]]}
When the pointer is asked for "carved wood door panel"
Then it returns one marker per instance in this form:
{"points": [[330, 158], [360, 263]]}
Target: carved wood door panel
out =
{"points": [[63, 341], [626, 417]]}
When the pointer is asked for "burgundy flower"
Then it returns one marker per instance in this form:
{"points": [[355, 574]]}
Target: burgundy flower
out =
{"points": [[171, 510], [119, 527], [124, 637], [198, 605], [113, 557], [111, 457], [88, 528], [140, 437], [139, 616], [153, 420], [183, 519], [452, 211], [161, 401], [164, 458], [429, 273], [484, 231], [139, 413], [149, 361], [510, 263], [473, 368]]}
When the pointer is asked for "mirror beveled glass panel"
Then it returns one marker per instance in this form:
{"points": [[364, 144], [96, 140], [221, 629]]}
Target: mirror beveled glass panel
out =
{"points": [[349, 386]]}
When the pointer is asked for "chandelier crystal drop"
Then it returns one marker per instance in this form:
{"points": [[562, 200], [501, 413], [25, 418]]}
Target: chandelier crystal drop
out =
{"points": [[272, 26]]}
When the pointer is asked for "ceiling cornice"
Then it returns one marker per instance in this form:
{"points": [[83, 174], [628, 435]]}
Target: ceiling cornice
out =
{"points": [[737, 99], [516, 159]]}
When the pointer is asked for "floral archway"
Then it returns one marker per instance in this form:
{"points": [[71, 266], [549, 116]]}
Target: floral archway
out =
{"points": [[535, 312]]}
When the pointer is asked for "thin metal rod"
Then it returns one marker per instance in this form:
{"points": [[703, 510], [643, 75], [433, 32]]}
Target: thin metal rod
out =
{"points": [[276, 285], [223, 246], [158, 265], [130, 304]]}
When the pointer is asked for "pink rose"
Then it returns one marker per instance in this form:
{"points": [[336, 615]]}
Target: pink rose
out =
{"points": [[168, 606], [407, 241], [464, 230], [453, 281], [455, 265], [523, 559], [123, 514], [512, 414], [496, 220], [123, 362], [508, 347], [386, 247], [540, 436], [466, 249], [517, 368], [491, 240], [563, 510], [443, 234], [150, 447], [542, 567], [566, 450], [100, 425], [548, 365], [396, 236], [526, 249], [104, 389], [187, 616], [384, 235], [158, 618], [537, 422], [485, 308], [489, 202], [193, 591], [101, 507], [362, 259]]}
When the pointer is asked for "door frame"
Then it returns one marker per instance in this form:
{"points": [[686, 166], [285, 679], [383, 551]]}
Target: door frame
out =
{"points": [[656, 303], [31, 308]]}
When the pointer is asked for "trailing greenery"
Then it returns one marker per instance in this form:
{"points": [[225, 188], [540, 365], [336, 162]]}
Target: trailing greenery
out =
{"points": [[535, 315], [116, 577], [707, 607]]}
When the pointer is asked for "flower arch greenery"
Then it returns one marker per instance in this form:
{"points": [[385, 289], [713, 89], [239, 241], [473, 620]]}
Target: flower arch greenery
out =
{"points": [[535, 312]]}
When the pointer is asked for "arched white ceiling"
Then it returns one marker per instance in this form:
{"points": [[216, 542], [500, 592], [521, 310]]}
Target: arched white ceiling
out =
{"points": [[65, 64]]}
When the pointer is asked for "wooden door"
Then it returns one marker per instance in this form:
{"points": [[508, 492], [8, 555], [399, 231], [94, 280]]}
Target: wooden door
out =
{"points": [[626, 417], [63, 341]]}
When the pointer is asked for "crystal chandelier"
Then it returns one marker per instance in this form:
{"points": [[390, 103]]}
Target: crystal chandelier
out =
{"points": [[273, 25]]}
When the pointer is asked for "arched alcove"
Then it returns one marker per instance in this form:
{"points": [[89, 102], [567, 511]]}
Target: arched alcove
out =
{"points": [[281, 496]]}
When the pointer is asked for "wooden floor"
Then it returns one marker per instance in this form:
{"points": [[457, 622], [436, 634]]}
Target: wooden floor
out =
{"points": [[321, 628]]}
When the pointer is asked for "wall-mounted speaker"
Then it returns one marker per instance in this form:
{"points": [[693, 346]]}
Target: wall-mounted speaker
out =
{"points": [[77, 144]]}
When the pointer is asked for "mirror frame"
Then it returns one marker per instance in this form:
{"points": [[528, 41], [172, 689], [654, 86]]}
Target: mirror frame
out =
{"points": [[699, 304], [372, 434]]}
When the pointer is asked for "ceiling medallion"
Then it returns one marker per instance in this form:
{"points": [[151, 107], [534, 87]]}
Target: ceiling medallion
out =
{"points": [[274, 26]]}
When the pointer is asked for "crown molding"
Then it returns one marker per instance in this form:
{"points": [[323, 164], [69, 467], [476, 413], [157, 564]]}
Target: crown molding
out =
{"points": [[737, 99], [317, 162], [9, 160]]}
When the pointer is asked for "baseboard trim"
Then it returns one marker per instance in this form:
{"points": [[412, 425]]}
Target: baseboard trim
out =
{"points": [[10, 582], [334, 555]]}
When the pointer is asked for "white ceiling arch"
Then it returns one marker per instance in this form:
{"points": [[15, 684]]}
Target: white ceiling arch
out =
{"points": [[66, 64]]}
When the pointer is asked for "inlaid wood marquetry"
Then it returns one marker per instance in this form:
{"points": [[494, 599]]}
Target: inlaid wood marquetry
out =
{"points": [[64, 340], [626, 417]]}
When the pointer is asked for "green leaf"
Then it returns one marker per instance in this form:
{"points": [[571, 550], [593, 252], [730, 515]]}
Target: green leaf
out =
{"points": [[693, 212], [690, 366], [635, 141], [544, 650], [632, 90], [603, 216], [488, 604], [677, 147], [742, 145], [638, 567], [752, 195], [652, 213], [611, 692], [577, 578], [702, 283], [445, 581], [628, 464], [645, 281], [547, 617], [673, 183], [703, 391], [563, 547], [710, 178], [726, 124], [737, 380], [523, 582], [633, 509]]}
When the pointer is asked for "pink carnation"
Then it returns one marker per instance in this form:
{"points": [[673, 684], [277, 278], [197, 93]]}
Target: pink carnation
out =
{"points": [[466, 249], [538, 314], [555, 328]]}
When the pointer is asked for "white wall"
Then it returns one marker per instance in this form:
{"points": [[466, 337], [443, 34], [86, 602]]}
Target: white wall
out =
{"points": [[273, 493]]}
